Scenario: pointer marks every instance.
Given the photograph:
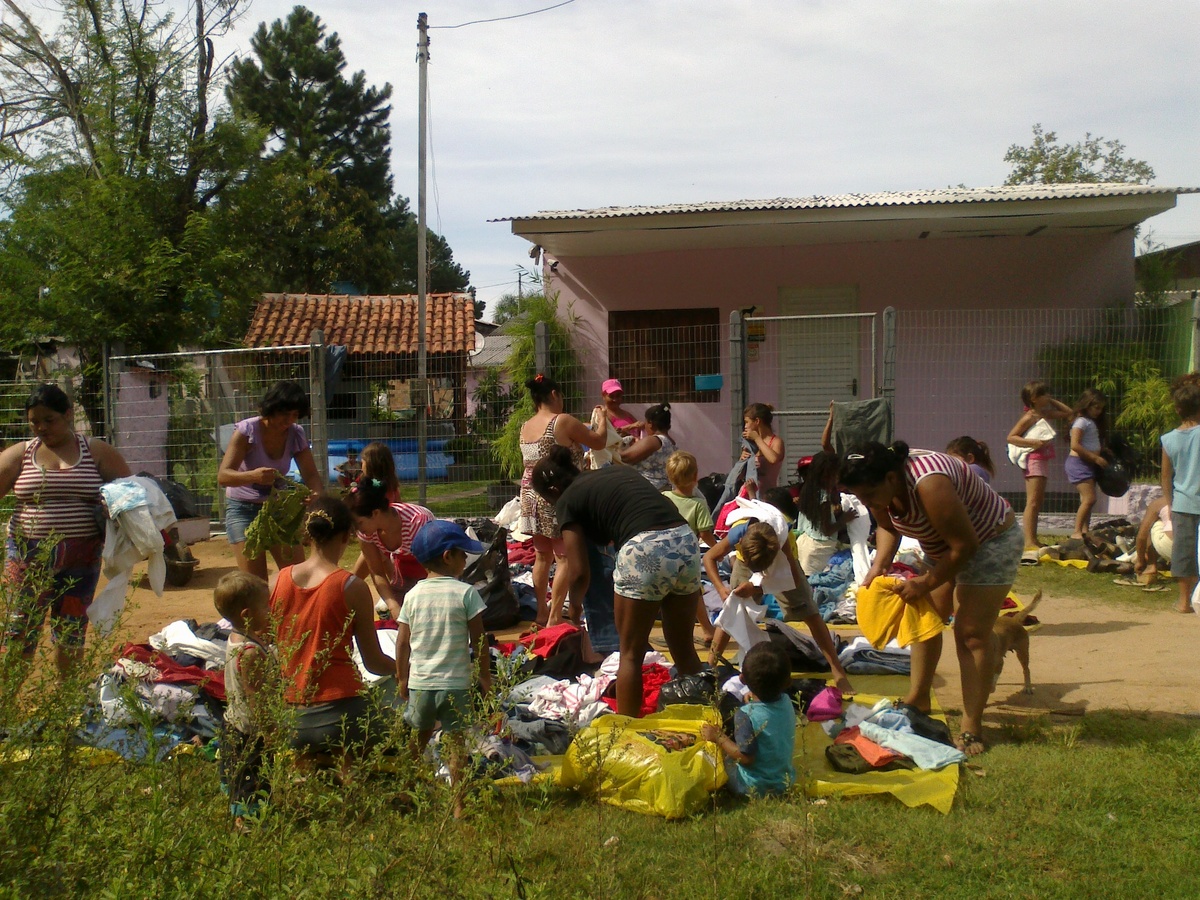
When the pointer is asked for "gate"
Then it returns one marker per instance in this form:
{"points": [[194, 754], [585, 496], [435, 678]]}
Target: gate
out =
{"points": [[801, 363]]}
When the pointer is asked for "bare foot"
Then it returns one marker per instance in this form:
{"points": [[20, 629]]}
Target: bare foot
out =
{"points": [[844, 685]]}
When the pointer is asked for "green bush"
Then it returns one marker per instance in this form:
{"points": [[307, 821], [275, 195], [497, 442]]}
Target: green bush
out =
{"points": [[561, 364]]}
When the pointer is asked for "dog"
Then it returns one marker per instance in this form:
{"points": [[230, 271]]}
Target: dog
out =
{"points": [[1009, 634]]}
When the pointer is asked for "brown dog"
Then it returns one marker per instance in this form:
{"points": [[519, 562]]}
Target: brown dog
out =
{"points": [[1009, 634]]}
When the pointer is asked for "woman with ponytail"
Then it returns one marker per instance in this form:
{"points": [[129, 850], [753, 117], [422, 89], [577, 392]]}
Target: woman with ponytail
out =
{"points": [[966, 532], [321, 610], [547, 428], [386, 529]]}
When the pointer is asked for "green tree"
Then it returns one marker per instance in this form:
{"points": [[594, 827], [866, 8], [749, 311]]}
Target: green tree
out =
{"points": [[1092, 160], [298, 89], [111, 159], [328, 158]]}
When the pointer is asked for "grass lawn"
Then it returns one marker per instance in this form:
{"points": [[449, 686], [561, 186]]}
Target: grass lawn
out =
{"points": [[1104, 806], [1054, 579]]}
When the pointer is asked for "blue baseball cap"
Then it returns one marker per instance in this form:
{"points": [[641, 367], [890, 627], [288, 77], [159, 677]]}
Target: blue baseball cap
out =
{"points": [[440, 535]]}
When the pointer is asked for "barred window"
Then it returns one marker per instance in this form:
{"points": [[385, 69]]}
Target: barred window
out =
{"points": [[657, 354]]}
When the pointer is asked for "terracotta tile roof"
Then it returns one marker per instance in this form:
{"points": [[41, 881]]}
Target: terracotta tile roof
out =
{"points": [[365, 325]]}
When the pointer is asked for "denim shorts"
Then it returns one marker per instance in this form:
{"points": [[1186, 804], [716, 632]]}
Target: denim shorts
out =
{"points": [[654, 564], [1183, 545], [238, 516], [426, 709], [996, 561]]}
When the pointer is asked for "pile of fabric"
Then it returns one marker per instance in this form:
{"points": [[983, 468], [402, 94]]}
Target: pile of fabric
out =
{"points": [[157, 695]]}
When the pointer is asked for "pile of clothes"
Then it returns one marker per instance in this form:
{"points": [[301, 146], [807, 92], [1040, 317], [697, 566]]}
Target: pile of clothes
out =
{"points": [[157, 695], [884, 737]]}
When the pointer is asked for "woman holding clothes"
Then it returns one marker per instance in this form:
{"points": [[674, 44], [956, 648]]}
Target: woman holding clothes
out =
{"points": [[966, 531], [260, 452], [649, 455], [547, 428], [56, 479], [658, 559]]}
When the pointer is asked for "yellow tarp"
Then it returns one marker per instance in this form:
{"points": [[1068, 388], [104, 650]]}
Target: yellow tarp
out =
{"points": [[912, 787]]}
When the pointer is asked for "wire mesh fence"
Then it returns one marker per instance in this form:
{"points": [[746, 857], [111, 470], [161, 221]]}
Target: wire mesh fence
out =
{"points": [[953, 372], [173, 414], [960, 372]]}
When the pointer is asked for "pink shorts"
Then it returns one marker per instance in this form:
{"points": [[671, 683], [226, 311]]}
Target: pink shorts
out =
{"points": [[1036, 467]]}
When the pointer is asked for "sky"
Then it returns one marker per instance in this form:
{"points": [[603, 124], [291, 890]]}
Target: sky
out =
{"points": [[641, 102]]}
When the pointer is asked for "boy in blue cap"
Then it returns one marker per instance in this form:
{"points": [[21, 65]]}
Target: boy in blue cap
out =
{"points": [[439, 623]]}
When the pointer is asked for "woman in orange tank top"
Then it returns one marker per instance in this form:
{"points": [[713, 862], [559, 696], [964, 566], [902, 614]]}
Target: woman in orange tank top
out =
{"points": [[321, 609]]}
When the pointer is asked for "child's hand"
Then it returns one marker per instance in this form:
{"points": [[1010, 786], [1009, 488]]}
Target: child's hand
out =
{"points": [[745, 589], [711, 732], [402, 690]]}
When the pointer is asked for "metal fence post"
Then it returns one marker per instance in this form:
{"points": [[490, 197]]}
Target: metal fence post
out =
{"points": [[1196, 331], [738, 375], [318, 402], [889, 358], [541, 346], [109, 401]]}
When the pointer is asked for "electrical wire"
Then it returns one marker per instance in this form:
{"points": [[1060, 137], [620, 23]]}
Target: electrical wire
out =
{"points": [[532, 12]]}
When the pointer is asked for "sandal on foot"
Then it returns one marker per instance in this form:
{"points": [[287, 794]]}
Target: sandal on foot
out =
{"points": [[968, 739]]}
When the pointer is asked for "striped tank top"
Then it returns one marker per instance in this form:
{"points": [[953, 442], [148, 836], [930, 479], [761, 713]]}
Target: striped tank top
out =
{"points": [[63, 501], [985, 508]]}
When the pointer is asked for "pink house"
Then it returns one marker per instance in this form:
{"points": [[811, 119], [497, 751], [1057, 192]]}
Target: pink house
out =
{"points": [[970, 274]]}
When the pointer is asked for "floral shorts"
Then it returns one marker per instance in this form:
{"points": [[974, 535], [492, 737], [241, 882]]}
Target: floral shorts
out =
{"points": [[653, 564]]}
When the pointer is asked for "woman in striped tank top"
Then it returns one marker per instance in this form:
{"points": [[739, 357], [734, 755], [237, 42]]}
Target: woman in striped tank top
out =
{"points": [[966, 531], [56, 478]]}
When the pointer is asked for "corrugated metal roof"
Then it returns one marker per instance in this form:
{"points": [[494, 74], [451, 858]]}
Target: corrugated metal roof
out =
{"points": [[1003, 193], [494, 352]]}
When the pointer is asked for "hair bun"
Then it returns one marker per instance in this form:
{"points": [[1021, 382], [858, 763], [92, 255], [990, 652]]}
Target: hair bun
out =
{"points": [[899, 450]]}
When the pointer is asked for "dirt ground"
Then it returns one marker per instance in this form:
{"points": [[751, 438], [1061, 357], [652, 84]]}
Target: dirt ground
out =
{"points": [[1086, 656]]}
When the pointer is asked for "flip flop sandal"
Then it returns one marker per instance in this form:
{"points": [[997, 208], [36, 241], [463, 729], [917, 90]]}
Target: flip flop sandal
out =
{"points": [[1154, 588], [1126, 581], [967, 739]]}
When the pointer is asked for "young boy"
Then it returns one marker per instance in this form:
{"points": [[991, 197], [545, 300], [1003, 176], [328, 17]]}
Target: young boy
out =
{"points": [[683, 473], [350, 471], [757, 545], [244, 600], [440, 622], [765, 727], [1181, 486]]}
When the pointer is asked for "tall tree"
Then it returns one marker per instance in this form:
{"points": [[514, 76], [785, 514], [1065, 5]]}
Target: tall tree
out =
{"points": [[111, 156], [1092, 160], [330, 130], [298, 89]]}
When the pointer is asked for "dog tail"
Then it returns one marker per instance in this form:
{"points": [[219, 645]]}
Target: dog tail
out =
{"points": [[1023, 616]]}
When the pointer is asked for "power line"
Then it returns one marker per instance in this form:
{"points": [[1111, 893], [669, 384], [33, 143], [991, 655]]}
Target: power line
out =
{"points": [[532, 12]]}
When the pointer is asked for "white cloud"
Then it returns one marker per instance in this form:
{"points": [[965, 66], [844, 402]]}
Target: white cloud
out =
{"points": [[607, 102]]}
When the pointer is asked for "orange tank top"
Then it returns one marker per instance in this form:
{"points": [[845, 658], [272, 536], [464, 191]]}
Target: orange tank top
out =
{"points": [[314, 639]]}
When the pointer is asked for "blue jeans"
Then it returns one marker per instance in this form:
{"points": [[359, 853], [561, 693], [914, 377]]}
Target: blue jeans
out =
{"points": [[598, 601]]}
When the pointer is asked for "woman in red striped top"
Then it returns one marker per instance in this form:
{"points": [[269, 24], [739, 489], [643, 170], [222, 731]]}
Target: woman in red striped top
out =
{"points": [[56, 479], [966, 531], [385, 535]]}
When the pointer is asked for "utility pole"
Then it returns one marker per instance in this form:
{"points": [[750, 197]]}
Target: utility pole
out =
{"points": [[422, 279]]}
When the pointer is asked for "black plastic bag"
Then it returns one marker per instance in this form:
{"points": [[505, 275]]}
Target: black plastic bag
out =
{"points": [[492, 579]]}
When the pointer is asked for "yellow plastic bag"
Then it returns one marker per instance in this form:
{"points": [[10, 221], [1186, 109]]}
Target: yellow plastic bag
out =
{"points": [[614, 760]]}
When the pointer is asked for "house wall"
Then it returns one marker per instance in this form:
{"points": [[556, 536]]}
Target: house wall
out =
{"points": [[1088, 270], [142, 438]]}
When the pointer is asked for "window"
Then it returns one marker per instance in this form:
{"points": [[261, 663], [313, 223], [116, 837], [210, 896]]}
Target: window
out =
{"points": [[657, 354]]}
